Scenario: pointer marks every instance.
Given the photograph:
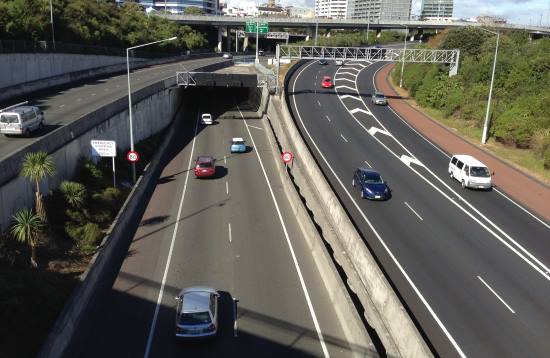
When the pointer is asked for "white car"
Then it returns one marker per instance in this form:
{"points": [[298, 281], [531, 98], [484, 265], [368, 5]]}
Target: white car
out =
{"points": [[20, 120], [206, 118], [339, 62], [197, 312]]}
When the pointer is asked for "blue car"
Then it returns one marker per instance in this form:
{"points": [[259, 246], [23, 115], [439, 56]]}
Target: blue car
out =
{"points": [[371, 184], [238, 145]]}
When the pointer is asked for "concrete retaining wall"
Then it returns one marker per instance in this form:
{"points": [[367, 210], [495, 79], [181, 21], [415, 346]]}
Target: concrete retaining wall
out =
{"points": [[22, 74], [153, 108], [383, 310]]}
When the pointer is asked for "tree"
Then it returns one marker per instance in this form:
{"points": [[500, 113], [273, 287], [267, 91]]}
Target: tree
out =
{"points": [[193, 10], [27, 228], [73, 192], [36, 167]]}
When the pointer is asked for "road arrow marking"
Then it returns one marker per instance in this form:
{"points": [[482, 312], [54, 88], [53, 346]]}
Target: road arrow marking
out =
{"points": [[410, 160], [355, 110], [374, 130], [350, 96]]}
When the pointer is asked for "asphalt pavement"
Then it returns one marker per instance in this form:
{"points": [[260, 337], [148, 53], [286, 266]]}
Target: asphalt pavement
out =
{"points": [[237, 233], [471, 266]]}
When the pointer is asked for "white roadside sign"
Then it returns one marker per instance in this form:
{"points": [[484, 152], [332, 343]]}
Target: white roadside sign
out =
{"points": [[103, 148]]}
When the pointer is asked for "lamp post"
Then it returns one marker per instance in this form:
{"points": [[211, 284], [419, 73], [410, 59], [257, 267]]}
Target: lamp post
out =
{"points": [[403, 57], [51, 20], [130, 98], [368, 25], [486, 124], [257, 31]]}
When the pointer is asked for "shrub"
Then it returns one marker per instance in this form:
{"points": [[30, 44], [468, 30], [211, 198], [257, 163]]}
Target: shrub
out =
{"points": [[91, 234], [73, 192], [88, 173], [547, 159], [514, 127]]}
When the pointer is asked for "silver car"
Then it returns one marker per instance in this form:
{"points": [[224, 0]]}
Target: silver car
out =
{"points": [[197, 312], [379, 98]]}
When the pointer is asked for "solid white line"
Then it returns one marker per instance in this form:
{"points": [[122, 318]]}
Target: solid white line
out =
{"points": [[255, 127], [344, 86], [62, 106], [494, 293], [227, 188], [290, 247], [328, 119], [319, 103], [344, 79], [410, 207], [79, 99], [93, 94], [355, 110], [344, 138], [224, 160], [348, 73], [169, 258], [367, 163], [349, 96], [230, 236], [383, 243], [544, 271]]}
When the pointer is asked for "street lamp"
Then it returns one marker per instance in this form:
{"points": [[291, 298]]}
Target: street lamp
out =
{"points": [[486, 124], [257, 31], [130, 98], [403, 57], [51, 20]]}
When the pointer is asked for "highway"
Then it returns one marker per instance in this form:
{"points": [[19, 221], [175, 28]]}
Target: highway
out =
{"points": [[237, 233], [71, 102], [472, 266]]}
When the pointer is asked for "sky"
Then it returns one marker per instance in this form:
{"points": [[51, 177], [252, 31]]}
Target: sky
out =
{"points": [[519, 11]]}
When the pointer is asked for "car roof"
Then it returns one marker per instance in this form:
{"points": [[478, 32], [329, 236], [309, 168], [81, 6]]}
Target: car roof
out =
{"points": [[204, 159], [378, 93], [237, 139], [206, 114], [326, 77], [469, 160], [368, 171], [19, 110]]}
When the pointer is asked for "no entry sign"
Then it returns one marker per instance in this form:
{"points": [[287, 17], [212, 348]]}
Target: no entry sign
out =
{"points": [[132, 156], [287, 157]]}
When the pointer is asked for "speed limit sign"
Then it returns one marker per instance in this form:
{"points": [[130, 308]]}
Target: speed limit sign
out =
{"points": [[132, 156], [287, 157]]}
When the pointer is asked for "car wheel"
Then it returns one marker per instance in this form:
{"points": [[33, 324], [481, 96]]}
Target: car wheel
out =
{"points": [[353, 182], [463, 184]]}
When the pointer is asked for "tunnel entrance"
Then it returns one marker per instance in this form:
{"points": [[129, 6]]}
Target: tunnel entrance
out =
{"points": [[227, 102]]}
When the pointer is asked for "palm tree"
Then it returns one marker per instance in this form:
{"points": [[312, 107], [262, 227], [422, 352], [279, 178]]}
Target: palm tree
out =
{"points": [[37, 166], [73, 192], [27, 228]]}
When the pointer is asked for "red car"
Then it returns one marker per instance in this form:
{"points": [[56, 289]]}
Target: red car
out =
{"points": [[205, 166], [327, 82]]}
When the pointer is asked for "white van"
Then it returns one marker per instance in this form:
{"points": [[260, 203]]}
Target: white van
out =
{"points": [[206, 118], [470, 172], [21, 120]]}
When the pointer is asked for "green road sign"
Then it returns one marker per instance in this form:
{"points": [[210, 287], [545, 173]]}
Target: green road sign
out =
{"points": [[263, 27]]}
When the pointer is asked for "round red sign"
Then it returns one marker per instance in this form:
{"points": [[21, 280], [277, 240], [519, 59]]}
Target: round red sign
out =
{"points": [[132, 156], [287, 157]]}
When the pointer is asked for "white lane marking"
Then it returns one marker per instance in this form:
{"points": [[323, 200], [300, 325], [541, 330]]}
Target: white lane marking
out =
{"points": [[409, 160], [356, 64], [393, 258], [449, 157], [355, 110], [230, 235], [79, 99], [373, 130], [290, 247], [344, 138], [349, 96], [169, 258], [250, 125], [227, 188], [224, 160], [496, 294], [93, 94], [344, 79], [235, 326], [319, 103], [327, 117], [367, 163], [344, 86], [348, 73], [410, 207], [544, 271], [62, 106]]}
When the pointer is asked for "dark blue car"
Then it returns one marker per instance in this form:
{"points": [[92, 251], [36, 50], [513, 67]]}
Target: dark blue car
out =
{"points": [[371, 184]]}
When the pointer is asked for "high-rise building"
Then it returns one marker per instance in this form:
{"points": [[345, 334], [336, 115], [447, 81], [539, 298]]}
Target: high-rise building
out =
{"points": [[178, 6], [379, 10], [331, 9], [437, 9]]}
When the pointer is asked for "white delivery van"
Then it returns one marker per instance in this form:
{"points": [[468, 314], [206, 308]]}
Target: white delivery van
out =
{"points": [[206, 118], [20, 120], [470, 172]]}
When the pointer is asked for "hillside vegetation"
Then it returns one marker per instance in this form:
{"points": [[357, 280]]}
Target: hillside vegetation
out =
{"points": [[92, 22], [520, 109], [353, 38]]}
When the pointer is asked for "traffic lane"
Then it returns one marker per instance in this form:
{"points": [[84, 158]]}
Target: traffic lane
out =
{"points": [[505, 214], [270, 314], [333, 147], [120, 324], [66, 105]]}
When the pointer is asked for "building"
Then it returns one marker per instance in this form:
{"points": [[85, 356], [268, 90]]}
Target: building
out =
{"points": [[272, 11], [491, 20], [331, 9], [178, 6], [300, 12], [436, 9], [377, 10]]}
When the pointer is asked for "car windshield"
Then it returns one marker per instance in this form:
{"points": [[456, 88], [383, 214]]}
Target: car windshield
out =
{"points": [[205, 165], [192, 318], [372, 178], [9, 118], [481, 172], [238, 143], [379, 95]]}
